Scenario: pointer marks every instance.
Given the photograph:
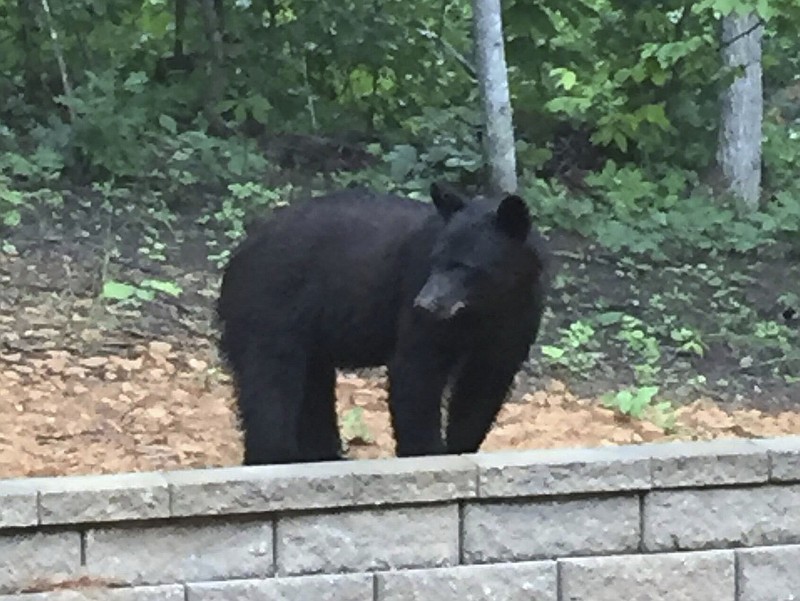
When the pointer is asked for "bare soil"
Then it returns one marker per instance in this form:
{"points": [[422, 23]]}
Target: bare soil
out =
{"points": [[164, 408]]}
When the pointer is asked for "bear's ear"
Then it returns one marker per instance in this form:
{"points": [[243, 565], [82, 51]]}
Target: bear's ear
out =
{"points": [[513, 217], [446, 200]]}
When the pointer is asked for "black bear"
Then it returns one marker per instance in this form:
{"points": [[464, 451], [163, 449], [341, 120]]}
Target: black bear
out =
{"points": [[448, 294]]}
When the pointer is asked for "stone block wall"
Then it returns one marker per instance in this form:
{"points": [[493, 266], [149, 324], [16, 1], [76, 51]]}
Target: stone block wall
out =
{"points": [[708, 521]]}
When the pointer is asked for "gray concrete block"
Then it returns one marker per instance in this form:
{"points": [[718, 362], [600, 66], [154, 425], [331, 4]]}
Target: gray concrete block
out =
{"points": [[173, 592], [28, 561], [721, 518], [414, 480], [495, 532], [561, 471], [784, 457], [180, 553], [700, 576], [368, 540], [534, 581], [249, 489], [344, 587], [769, 574], [707, 463], [103, 498], [18, 503]]}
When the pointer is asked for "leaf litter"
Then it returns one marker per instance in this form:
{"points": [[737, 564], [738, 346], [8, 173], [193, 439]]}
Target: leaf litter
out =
{"points": [[163, 407]]}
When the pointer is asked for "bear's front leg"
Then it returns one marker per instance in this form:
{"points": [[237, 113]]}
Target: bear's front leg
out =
{"points": [[417, 378], [479, 391]]}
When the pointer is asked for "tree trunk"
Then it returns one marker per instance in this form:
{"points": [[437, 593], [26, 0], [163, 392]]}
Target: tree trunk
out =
{"points": [[498, 140], [739, 149]]}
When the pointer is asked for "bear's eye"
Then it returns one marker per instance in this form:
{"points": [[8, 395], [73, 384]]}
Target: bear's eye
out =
{"points": [[457, 266], [464, 267]]}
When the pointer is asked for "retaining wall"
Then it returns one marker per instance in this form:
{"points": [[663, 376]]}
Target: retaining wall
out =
{"points": [[712, 521]]}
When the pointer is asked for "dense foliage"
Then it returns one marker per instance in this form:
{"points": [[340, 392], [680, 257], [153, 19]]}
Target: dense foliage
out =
{"points": [[615, 103]]}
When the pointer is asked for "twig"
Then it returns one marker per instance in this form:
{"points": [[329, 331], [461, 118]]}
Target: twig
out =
{"points": [[309, 94]]}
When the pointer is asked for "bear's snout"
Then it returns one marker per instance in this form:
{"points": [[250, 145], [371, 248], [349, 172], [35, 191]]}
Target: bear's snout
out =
{"points": [[440, 297]]}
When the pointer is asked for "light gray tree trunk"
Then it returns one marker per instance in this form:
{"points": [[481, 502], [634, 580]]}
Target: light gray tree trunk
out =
{"points": [[498, 140], [739, 149]]}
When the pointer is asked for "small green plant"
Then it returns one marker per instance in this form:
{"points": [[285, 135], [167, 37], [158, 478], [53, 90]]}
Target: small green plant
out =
{"points": [[354, 429], [640, 403], [640, 341], [146, 291], [153, 248], [220, 258], [790, 300], [688, 340], [254, 195], [576, 349], [243, 199], [774, 334], [231, 216]]}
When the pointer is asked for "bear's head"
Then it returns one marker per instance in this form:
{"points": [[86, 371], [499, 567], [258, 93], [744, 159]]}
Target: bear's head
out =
{"points": [[487, 257]]}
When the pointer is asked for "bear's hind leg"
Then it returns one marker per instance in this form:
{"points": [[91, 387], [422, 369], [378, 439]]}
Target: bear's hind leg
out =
{"points": [[270, 385], [319, 427]]}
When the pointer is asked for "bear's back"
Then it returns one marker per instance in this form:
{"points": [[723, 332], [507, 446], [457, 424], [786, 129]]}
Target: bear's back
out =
{"points": [[337, 265], [351, 221]]}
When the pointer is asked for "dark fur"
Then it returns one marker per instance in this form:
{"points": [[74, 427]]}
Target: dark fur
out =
{"points": [[340, 282]]}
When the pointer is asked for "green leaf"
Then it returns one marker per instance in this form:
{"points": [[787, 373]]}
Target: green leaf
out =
{"points": [[146, 295], [118, 290], [170, 288], [568, 105], [553, 352], [168, 123], [403, 158], [12, 218], [659, 77], [354, 429], [237, 162], [260, 108], [654, 113], [361, 82], [609, 317], [646, 393], [621, 141], [566, 78], [136, 81], [624, 401]]}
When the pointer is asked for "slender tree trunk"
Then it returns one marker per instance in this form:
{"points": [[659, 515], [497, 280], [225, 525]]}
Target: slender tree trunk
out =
{"points": [[739, 149], [215, 57], [30, 44], [493, 80]]}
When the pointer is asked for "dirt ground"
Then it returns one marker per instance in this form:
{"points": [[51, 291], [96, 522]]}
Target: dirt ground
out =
{"points": [[164, 408]]}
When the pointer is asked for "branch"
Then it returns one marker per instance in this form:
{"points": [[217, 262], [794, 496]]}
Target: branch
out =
{"points": [[62, 65], [426, 32], [760, 22]]}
